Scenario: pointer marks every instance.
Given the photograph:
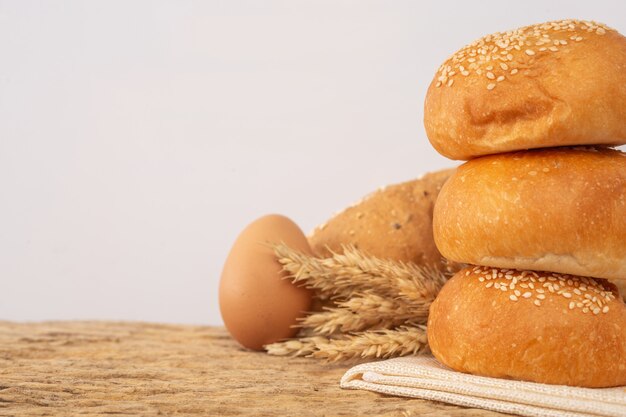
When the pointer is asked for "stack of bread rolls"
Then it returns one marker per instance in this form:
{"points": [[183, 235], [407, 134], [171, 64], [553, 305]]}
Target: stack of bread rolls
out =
{"points": [[538, 211]]}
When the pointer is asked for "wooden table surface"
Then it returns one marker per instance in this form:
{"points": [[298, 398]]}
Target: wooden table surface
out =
{"points": [[141, 369]]}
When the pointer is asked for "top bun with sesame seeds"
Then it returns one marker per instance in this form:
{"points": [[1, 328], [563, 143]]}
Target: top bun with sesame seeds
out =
{"points": [[531, 326], [559, 83]]}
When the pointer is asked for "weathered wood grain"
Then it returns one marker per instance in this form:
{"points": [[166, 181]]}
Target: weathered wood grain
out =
{"points": [[140, 369]]}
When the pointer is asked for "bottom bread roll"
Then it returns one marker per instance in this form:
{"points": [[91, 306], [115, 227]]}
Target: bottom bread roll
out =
{"points": [[532, 326]]}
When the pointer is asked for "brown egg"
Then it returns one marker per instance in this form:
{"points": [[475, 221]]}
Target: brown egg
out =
{"points": [[257, 304]]}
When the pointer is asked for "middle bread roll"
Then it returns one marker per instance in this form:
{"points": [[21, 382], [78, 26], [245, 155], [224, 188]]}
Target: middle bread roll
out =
{"points": [[560, 210]]}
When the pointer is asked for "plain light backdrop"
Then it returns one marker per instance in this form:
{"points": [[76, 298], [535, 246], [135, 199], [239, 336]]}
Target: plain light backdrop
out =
{"points": [[137, 138]]}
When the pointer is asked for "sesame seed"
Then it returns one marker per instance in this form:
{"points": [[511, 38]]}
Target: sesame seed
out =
{"points": [[572, 305], [512, 297], [505, 46], [537, 303], [500, 78], [490, 75], [491, 86], [605, 309], [527, 294]]}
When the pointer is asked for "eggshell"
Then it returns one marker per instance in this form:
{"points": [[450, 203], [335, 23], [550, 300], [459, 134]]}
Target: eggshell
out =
{"points": [[258, 305]]}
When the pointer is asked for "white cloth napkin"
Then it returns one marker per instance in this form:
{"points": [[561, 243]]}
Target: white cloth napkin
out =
{"points": [[424, 377]]}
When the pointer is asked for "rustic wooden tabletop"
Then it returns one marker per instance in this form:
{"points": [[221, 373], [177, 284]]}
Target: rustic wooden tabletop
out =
{"points": [[140, 369]]}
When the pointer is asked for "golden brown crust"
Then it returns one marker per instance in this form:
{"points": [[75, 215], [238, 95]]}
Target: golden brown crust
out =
{"points": [[479, 324], [561, 210], [621, 286], [521, 90], [391, 223]]}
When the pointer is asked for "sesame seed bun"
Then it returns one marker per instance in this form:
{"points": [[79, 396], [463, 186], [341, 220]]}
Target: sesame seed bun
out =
{"points": [[560, 210], [532, 326], [553, 84], [394, 222]]}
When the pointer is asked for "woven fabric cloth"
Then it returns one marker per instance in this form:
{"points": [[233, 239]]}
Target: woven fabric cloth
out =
{"points": [[424, 377]]}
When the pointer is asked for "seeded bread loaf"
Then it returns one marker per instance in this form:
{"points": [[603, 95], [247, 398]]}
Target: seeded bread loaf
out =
{"points": [[532, 326], [560, 210], [392, 223], [552, 84]]}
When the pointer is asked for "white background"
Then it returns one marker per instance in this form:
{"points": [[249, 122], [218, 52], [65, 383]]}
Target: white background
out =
{"points": [[137, 138]]}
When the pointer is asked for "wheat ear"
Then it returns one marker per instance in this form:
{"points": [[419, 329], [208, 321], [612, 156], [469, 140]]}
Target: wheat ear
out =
{"points": [[344, 275], [368, 311], [380, 344]]}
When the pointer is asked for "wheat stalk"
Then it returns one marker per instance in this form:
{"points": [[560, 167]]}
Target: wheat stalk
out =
{"points": [[377, 344], [304, 346], [344, 275], [375, 306], [368, 311], [379, 309]]}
